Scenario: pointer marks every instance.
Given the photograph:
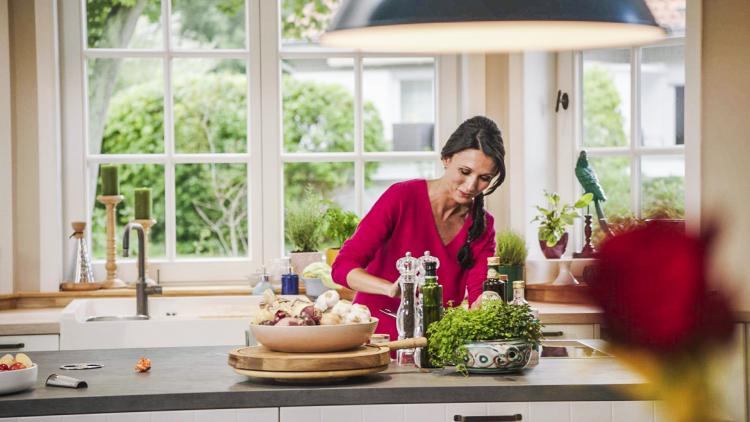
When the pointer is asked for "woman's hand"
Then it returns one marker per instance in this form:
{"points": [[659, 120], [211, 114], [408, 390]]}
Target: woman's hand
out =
{"points": [[361, 281]]}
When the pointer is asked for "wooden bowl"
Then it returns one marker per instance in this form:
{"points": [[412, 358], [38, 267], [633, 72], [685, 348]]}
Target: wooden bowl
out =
{"points": [[314, 338]]}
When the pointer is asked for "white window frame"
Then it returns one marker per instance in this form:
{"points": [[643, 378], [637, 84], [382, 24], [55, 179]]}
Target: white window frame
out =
{"points": [[264, 158], [570, 129]]}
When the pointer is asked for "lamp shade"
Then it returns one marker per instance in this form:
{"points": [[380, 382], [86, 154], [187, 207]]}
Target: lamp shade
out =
{"points": [[490, 25]]}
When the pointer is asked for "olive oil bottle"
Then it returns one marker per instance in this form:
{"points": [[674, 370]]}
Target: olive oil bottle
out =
{"points": [[431, 310]]}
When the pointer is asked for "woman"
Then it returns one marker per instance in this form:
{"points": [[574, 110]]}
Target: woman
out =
{"points": [[445, 216]]}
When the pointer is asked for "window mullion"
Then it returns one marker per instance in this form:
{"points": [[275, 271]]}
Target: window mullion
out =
{"points": [[635, 129], [359, 138], [169, 169]]}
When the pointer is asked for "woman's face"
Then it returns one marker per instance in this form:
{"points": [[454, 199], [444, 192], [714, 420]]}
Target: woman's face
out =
{"points": [[468, 173]]}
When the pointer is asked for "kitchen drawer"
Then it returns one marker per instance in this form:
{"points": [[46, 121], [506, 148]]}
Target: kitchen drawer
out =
{"points": [[29, 343], [570, 331]]}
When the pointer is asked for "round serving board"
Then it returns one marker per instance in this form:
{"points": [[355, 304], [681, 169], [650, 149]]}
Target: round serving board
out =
{"points": [[310, 375], [258, 358]]}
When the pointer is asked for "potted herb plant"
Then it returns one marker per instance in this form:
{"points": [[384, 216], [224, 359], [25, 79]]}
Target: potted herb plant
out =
{"points": [[511, 249], [340, 226], [496, 338], [304, 230], [553, 237]]}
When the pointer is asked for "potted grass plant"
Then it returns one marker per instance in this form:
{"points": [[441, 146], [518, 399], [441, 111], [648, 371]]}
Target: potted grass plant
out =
{"points": [[304, 230], [511, 249]]}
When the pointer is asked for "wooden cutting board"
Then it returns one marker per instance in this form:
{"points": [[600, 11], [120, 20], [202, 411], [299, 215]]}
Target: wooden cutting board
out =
{"points": [[258, 358], [310, 376]]}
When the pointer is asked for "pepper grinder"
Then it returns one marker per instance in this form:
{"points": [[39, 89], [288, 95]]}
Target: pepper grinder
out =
{"points": [[405, 315]]}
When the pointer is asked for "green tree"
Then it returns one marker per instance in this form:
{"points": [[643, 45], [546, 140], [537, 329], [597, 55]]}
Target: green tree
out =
{"points": [[603, 125], [319, 117], [306, 19], [602, 117], [210, 109]]}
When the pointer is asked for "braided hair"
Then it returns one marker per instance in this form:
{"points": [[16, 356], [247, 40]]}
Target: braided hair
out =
{"points": [[480, 133]]}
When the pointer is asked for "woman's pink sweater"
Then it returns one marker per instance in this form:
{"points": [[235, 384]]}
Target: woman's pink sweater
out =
{"points": [[402, 221]]}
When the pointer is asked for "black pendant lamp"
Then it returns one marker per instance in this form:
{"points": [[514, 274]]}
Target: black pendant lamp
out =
{"points": [[490, 25]]}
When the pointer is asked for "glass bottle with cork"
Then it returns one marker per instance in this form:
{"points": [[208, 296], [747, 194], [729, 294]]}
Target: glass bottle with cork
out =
{"points": [[519, 299], [495, 281], [430, 310]]}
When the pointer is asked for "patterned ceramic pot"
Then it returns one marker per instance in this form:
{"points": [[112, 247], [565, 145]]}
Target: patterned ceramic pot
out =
{"points": [[497, 356]]}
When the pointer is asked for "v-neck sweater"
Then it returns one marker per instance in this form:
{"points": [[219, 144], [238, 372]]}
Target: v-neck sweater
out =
{"points": [[402, 221]]}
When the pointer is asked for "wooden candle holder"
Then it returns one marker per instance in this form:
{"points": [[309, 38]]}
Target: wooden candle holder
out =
{"points": [[146, 224], [110, 202]]}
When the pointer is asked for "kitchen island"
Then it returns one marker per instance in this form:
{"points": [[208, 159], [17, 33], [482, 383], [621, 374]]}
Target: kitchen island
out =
{"points": [[198, 378]]}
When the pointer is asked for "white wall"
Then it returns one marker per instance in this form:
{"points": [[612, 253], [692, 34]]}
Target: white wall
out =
{"points": [[6, 159], [533, 133], [725, 143], [25, 147]]}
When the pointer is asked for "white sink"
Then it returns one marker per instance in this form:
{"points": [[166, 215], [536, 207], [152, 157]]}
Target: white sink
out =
{"points": [[174, 322]]}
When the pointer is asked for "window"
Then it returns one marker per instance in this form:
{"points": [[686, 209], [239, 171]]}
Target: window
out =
{"points": [[631, 121], [184, 97], [353, 124]]}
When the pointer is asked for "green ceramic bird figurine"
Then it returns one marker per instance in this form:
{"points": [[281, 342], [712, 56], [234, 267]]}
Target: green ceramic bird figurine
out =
{"points": [[587, 177]]}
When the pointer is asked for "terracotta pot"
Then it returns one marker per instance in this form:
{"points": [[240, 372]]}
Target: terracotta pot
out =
{"points": [[554, 252], [300, 260]]}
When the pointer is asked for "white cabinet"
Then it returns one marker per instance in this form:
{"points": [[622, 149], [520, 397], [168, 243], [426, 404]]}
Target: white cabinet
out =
{"points": [[266, 414], [29, 343], [619, 411], [571, 331]]}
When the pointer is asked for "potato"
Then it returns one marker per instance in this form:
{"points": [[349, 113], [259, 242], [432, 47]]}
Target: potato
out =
{"points": [[7, 359], [24, 359]]}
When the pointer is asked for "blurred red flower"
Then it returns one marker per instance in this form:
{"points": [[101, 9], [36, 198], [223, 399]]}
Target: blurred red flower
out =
{"points": [[653, 288]]}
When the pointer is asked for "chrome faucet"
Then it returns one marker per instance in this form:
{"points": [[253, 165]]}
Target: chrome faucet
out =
{"points": [[141, 289]]}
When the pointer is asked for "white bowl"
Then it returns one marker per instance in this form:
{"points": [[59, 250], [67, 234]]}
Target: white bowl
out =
{"points": [[18, 380], [314, 338]]}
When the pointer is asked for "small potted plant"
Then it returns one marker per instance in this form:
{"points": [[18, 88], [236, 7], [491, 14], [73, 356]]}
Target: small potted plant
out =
{"points": [[511, 249], [304, 229], [496, 338], [340, 226], [553, 237]]}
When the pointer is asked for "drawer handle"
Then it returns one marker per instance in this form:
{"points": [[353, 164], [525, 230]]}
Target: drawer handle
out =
{"points": [[12, 346], [498, 418], [552, 333]]}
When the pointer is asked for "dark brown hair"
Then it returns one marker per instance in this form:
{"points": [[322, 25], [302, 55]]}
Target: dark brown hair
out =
{"points": [[483, 134]]}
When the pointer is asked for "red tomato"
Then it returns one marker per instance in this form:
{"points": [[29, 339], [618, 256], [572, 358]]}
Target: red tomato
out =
{"points": [[17, 365], [4, 367]]}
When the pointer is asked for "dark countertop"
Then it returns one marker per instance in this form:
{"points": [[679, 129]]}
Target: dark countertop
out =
{"points": [[199, 378]]}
